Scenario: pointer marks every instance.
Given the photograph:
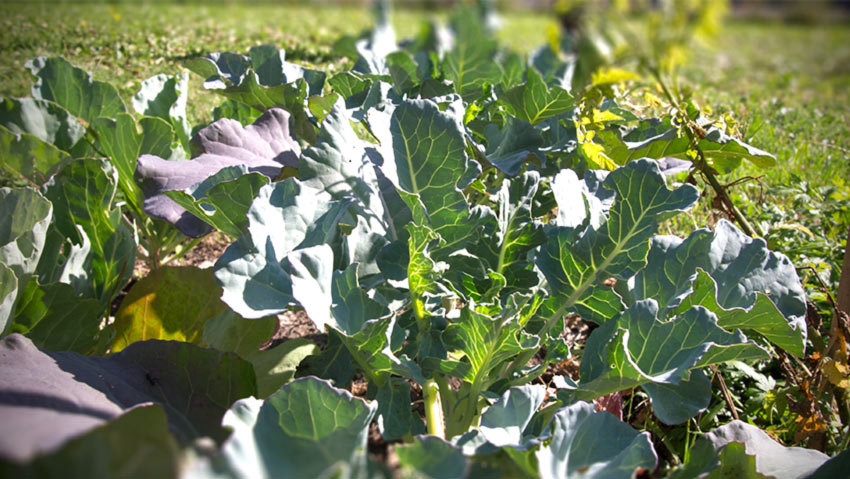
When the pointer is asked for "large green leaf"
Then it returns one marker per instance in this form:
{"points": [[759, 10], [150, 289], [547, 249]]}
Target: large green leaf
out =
{"points": [[164, 96], [223, 199], [351, 307], [709, 456], [639, 348], [235, 110], [652, 138], [320, 106], [276, 366], [55, 318], [513, 65], [484, 347], [351, 86], [534, 101], [169, 303], [370, 349], [508, 148], [83, 194], [310, 275], [364, 326], [484, 343], [658, 139], [505, 422], [47, 398], [516, 234], [285, 221], [676, 403], [252, 79], [404, 72], [588, 444], [26, 157], [763, 317], [470, 64], [334, 363], [307, 429], [8, 293], [273, 367], [397, 416], [339, 163], [576, 266], [44, 119], [262, 81], [753, 287], [429, 164], [421, 278], [74, 89], [121, 141], [430, 457], [134, 444], [193, 384], [230, 332], [24, 219]]}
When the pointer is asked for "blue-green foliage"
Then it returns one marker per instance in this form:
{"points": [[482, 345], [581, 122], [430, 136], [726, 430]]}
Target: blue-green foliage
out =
{"points": [[435, 213]]}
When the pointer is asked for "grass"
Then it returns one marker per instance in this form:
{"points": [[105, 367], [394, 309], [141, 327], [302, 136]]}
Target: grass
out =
{"points": [[789, 86], [125, 44]]}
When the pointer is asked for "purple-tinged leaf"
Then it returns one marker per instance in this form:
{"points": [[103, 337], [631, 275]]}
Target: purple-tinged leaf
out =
{"points": [[135, 444], [265, 147], [47, 398]]}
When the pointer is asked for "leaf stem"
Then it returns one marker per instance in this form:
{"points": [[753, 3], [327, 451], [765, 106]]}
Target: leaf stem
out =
{"points": [[722, 194], [433, 409], [186, 248], [727, 395], [702, 165]]}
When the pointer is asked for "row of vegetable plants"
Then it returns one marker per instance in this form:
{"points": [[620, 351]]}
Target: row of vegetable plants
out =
{"points": [[438, 211]]}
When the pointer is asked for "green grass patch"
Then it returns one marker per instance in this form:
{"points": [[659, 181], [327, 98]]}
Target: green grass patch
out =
{"points": [[125, 44]]}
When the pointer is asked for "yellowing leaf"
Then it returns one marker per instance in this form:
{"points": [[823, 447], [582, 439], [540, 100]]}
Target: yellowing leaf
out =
{"points": [[596, 157], [611, 75], [170, 303], [600, 117], [652, 100], [809, 426], [553, 36], [838, 374], [796, 227]]}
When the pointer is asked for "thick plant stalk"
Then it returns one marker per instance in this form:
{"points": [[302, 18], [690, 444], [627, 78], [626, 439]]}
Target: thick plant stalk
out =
{"points": [[707, 173], [839, 333], [727, 395], [433, 409], [724, 196], [842, 303], [843, 295]]}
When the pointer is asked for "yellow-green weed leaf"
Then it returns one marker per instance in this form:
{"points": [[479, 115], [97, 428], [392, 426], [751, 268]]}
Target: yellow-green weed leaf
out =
{"points": [[170, 303]]}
